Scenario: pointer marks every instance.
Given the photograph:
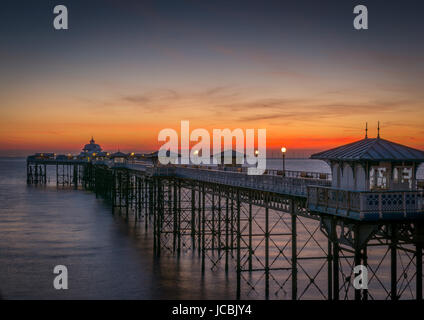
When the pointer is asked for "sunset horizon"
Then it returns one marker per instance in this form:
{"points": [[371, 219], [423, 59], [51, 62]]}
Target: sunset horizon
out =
{"points": [[297, 147], [312, 83]]}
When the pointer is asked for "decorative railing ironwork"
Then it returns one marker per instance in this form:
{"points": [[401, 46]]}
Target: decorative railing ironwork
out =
{"points": [[366, 205], [270, 172], [277, 184], [54, 161]]}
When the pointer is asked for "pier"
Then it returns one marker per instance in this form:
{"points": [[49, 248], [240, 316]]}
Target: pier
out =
{"points": [[369, 211]]}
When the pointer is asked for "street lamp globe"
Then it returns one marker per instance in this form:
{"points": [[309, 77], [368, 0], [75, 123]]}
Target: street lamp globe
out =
{"points": [[283, 150]]}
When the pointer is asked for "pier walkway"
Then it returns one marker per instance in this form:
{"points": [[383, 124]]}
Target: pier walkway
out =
{"points": [[258, 224]]}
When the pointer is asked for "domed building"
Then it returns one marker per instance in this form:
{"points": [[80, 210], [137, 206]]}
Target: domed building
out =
{"points": [[90, 150], [92, 147]]}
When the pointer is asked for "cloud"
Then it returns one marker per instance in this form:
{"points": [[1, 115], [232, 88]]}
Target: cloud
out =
{"points": [[307, 110], [151, 96], [229, 103], [137, 99], [164, 99]]}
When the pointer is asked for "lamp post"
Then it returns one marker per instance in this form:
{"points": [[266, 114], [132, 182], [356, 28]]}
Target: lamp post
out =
{"points": [[283, 151]]}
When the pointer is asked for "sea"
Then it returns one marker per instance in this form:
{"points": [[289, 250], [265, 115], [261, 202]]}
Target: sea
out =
{"points": [[106, 255]]}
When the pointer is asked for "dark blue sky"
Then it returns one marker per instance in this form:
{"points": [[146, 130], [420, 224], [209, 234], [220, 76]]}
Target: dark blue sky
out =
{"points": [[395, 26]]}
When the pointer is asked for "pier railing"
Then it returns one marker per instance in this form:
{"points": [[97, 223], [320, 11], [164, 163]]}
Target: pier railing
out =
{"points": [[365, 205], [271, 183], [268, 172], [56, 161]]}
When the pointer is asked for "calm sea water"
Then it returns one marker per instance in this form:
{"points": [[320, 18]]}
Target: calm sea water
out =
{"points": [[106, 256]]}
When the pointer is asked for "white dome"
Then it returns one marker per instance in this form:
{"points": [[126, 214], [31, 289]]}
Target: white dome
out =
{"points": [[92, 147]]}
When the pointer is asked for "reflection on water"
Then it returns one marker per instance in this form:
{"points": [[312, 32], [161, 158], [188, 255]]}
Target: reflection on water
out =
{"points": [[107, 257]]}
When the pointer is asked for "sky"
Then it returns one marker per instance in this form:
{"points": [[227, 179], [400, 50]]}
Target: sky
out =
{"points": [[124, 70]]}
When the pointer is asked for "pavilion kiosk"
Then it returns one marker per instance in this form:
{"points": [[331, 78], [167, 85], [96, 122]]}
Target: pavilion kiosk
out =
{"points": [[119, 158], [228, 160], [372, 179], [154, 159]]}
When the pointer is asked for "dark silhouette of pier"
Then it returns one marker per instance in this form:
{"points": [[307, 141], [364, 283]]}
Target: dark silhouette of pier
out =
{"points": [[252, 223]]}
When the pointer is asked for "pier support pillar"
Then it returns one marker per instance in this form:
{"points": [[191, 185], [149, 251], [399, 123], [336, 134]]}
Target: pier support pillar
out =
{"points": [[294, 248], [199, 220], [238, 246], [266, 247], [329, 269], [193, 218], [250, 233], [357, 257], [419, 276], [227, 221], [365, 263], [175, 214], [203, 227], [336, 250], [393, 259], [357, 263]]}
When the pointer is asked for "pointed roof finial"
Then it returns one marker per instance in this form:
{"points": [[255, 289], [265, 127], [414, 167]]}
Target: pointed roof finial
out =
{"points": [[378, 130], [366, 130]]}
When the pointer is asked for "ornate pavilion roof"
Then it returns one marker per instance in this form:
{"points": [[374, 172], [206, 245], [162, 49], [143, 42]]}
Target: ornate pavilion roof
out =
{"points": [[371, 149]]}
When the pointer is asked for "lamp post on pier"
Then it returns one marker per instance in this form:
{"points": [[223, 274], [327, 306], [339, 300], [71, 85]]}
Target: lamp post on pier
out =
{"points": [[283, 151]]}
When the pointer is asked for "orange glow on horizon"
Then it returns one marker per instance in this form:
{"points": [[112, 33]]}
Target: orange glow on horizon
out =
{"points": [[138, 140], [30, 125]]}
